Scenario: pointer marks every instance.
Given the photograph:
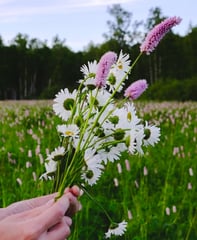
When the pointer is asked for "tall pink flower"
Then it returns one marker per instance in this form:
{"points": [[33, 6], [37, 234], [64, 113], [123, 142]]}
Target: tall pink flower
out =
{"points": [[104, 65], [136, 89], [157, 33]]}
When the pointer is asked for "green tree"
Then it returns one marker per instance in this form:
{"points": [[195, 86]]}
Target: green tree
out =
{"points": [[154, 60], [119, 28]]}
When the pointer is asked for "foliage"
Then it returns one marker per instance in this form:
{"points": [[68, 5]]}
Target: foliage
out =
{"points": [[119, 29], [29, 69], [173, 89]]}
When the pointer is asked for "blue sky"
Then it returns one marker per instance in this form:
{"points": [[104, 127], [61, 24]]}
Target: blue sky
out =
{"points": [[81, 21]]}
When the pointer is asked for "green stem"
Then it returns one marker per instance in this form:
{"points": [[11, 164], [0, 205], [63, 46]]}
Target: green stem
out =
{"points": [[93, 199], [111, 97]]}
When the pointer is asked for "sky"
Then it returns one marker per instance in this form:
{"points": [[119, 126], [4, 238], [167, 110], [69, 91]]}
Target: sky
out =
{"points": [[80, 22]]}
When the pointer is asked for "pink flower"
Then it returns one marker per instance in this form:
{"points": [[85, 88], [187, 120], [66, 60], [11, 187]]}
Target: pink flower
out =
{"points": [[157, 33], [136, 89], [104, 65]]}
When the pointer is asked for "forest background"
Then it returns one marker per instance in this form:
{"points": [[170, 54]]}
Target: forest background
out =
{"points": [[30, 69]]}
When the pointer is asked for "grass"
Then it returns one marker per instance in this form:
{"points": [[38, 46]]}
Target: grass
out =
{"points": [[156, 193]]}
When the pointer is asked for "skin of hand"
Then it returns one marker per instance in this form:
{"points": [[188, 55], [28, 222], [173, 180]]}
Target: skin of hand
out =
{"points": [[40, 218], [25, 205]]}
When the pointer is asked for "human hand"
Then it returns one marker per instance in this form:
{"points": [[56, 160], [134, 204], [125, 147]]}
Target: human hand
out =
{"points": [[41, 219], [25, 205]]}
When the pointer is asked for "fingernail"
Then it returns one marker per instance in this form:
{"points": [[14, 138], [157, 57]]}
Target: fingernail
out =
{"points": [[69, 221]]}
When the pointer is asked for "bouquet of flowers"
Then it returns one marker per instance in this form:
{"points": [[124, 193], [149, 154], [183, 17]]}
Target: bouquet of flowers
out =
{"points": [[96, 127]]}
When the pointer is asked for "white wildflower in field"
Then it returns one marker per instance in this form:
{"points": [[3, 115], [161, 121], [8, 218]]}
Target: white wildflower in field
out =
{"points": [[116, 229], [89, 72], [92, 170], [191, 172], [174, 209], [70, 130], [130, 215], [50, 166], [19, 181], [64, 102], [118, 71], [152, 135], [58, 152], [168, 211]]}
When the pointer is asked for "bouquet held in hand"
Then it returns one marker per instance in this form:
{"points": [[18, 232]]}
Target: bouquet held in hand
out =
{"points": [[97, 128]]}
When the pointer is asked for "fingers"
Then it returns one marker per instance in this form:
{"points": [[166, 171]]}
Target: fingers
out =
{"points": [[53, 214], [36, 202], [74, 207], [25, 205], [61, 230], [75, 191]]}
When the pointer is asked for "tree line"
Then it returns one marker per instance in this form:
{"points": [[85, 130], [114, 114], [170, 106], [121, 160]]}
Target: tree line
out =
{"points": [[30, 69]]}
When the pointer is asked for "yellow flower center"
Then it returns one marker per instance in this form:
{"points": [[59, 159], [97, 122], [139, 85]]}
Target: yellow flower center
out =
{"points": [[69, 133], [129, 116], [120, 66]]}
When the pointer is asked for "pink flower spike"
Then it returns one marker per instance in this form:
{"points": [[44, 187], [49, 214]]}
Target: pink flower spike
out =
{"points": [[104, 65], [157, 33], [136, 89]]}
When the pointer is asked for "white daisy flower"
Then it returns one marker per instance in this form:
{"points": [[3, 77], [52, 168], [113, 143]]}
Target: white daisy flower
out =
{"points": [[101, 96], [113, 153], [113, 81], [57, 153], [64, 102], [132, 141], [152, 134], [89, 72], [51, 167], [139, 140], [92, 174], [93, 170], [117, 229], [118, 71], [69, 130], [123, 63], [127, 117], [131, 113]]}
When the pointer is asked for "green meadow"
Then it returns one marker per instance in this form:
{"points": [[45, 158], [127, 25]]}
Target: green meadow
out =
{"points": [[155, 193]]}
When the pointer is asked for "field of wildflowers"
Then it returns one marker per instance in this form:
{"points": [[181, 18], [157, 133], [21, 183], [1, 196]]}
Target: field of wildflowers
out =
{"points": [[96, 131], [156, 191]]}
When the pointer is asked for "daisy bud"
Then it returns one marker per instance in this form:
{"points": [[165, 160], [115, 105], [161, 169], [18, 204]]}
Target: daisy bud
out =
{"points": [[157, 33], [119, 134], [104, 65], [136, 89]]}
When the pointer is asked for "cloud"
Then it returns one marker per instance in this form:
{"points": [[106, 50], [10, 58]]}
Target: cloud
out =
{"points": [[13, 9], [93, 3]]}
